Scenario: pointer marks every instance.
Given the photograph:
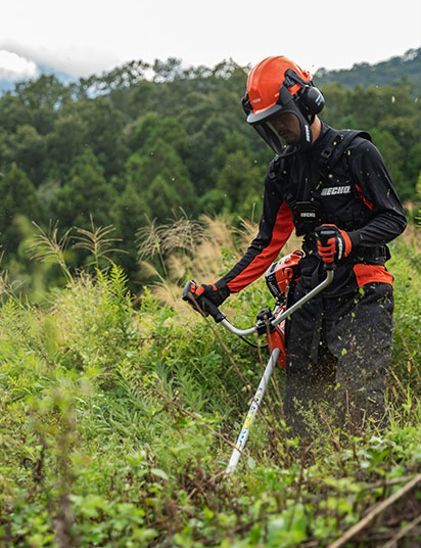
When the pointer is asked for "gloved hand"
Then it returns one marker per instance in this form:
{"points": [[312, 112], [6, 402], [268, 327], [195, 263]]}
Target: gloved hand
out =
{"points": [[206, 298], [211, 292], [333, 244]]}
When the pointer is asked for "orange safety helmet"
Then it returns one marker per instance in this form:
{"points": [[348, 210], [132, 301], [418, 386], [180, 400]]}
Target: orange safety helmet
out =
{"points": [[277, 85]]}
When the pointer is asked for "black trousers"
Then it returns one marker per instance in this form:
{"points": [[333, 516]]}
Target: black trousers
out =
{"points": [[338, 354]]}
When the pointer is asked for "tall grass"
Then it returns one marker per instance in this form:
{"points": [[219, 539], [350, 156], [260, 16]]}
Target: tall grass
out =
{"points": [[118, 413]]}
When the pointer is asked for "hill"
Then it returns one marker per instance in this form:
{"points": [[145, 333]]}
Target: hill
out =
{"points": [[148, 142], [390, 72]]}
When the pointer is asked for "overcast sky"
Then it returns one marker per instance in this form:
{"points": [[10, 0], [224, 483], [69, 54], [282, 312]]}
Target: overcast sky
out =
{"points": [[86, 36]]}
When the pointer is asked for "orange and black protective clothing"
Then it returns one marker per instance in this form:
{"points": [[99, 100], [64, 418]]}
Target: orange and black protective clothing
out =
{"points": [[356, 195], [343, 337]]}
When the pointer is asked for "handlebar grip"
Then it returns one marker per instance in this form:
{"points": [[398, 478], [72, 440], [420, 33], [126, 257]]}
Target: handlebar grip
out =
{"points": [[211, 308], [323, 234], [202, 304]]}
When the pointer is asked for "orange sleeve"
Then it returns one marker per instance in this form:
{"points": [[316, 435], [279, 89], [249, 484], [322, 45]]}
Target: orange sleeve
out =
{"points": [[281, 232]]}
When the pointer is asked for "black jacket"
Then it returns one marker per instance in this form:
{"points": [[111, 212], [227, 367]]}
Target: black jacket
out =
{"points": [[357, 195]]}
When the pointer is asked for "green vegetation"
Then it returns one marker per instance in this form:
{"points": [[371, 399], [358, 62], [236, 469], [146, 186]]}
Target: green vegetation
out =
{"points": [[117, 414], [392, 71], [119, 405], [141, 143]]}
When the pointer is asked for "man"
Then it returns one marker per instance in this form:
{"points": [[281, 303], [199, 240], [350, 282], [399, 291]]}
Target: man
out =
{"points": [[339, 344]]}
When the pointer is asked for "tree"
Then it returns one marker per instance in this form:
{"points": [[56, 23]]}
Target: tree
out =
{"points": [[65, 142], [161, 160], [104, 133], [166, 71], [153, 127], [241, 182], [393, 157], [43, 99], [131, 213], [85, 193], [413, 164], [17, 197], [29, 151], [118, 78], [163, 199]]}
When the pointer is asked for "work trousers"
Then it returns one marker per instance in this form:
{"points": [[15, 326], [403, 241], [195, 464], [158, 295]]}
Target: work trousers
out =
{"points": [[338, 354]]}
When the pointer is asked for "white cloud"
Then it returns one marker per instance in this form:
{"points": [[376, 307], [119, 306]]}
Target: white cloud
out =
{"points": [[14, 67]]}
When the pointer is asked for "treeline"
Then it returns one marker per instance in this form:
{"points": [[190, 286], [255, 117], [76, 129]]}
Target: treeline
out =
{"points": [[148, 142], [405, 67]]}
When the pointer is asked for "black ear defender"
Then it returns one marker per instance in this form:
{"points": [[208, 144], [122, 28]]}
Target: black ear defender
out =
{"points": [[310, 98]]}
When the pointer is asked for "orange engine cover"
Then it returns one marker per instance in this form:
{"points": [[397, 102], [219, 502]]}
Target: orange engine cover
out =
{"points": [[279, 275], [276, 339]]}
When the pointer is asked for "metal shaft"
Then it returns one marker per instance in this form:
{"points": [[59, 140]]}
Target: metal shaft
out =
{"points": [[303, 300], [244, 332], [255, 404], [236, 331], [251, 415]]}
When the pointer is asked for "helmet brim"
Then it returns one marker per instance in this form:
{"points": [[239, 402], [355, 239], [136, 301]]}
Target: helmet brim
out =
{"points": [[285, 103], [264, 115]]}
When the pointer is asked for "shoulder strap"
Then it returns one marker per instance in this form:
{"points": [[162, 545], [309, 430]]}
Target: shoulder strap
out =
{"points": [[333, 151]]}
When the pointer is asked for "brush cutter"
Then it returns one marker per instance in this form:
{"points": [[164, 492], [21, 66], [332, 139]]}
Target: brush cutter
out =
{"points": [[278, 279]]}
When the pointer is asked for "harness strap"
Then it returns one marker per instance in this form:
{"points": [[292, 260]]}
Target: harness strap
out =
{"points": [[329, 157], [334, 150]]}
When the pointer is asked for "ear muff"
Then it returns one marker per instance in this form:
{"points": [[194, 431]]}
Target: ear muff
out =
{"points": [[312, 100], [309, 98]]}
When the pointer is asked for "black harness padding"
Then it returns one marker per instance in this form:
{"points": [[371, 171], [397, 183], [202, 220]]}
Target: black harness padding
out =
{"points": [[304, 197], [334, 150]]}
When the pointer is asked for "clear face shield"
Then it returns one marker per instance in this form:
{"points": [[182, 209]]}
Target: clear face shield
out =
{"points": [[269, 134], [285, 132]]}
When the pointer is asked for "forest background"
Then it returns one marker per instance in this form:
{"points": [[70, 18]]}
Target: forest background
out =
{"points": [[151, 143]]}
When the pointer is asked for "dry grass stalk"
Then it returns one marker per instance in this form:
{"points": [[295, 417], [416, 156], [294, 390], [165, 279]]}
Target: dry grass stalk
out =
{"points": [[148, 270], [97, 242], [216, 229], [247, 232], [148, 241], [50, 247], [183, 234], [178, 266]]}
